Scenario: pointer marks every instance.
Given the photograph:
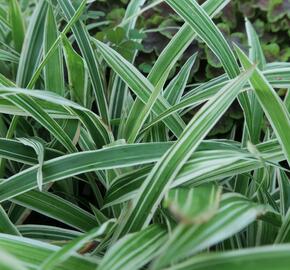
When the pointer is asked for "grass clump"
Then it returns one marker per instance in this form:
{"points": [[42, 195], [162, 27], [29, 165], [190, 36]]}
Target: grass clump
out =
{"points": [[103, 167]]}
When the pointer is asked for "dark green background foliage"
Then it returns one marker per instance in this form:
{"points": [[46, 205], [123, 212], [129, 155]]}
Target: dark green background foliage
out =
{"points": [[271, 19]]}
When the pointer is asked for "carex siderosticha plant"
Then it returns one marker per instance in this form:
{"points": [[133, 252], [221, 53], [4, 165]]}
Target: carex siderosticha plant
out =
{"points": [[103, 167]]}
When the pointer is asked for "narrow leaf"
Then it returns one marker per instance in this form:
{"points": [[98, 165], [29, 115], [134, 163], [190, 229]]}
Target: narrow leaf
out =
{"points": [[193, 205], [271, 103], [53, 71], [39, 150]]}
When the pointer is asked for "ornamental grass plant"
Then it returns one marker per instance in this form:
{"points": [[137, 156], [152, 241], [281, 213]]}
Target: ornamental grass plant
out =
{"points": [[106, 167]]}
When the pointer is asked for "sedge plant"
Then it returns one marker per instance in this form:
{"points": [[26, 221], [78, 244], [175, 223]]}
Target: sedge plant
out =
{"points": [[103, 167]]}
